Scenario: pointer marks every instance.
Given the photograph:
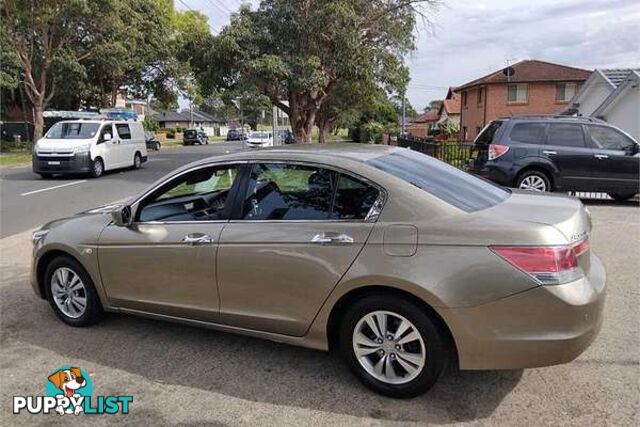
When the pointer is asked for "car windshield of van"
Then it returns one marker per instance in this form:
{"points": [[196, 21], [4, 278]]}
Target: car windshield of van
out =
{"points": [[455, 187], [73, 130]]}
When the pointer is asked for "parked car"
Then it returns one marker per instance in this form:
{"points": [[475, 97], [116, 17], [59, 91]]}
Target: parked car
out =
{"points": [[236, 135], [260, 139], [194, 136], [89, 147], [404, 264], [285, 136], [151, 141], [559, 153]]}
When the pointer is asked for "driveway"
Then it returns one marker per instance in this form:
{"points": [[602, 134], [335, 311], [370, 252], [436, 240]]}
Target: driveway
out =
{"points": [[185, 375]]}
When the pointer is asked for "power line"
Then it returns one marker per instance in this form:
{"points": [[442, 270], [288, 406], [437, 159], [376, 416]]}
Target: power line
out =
{"points": [[221, 6], [208, 23]]}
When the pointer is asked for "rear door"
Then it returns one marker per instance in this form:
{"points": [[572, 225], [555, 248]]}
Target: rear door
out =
{"points": [[297, 230], [567, 149], [617, 161]]}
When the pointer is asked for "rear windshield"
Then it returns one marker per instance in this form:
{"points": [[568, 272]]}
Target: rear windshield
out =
{"points": [[488, 133], [458, 188], [75, 130], [190, 132]]}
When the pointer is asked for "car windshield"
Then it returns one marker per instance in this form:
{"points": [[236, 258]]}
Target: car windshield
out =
{"points": [[73, 130], [458, 188], [260, 135]]}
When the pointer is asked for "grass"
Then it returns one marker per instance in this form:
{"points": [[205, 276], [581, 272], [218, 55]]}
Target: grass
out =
{"points": [[15, 158]]}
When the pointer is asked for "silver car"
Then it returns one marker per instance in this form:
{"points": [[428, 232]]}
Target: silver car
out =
{"points": [[402, 263]]}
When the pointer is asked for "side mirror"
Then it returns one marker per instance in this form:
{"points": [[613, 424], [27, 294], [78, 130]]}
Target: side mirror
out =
{"points": [[106, 137], [121, 216]]}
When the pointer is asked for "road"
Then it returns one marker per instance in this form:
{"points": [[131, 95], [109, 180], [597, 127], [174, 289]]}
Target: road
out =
{"points": [[29, 201], [189, 376]]}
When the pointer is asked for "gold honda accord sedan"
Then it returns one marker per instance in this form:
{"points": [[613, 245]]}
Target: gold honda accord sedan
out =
{"points": [[402, 263]]}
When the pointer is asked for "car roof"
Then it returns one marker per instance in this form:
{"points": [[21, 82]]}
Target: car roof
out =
{"points": [[323, 153], [552, 118]]}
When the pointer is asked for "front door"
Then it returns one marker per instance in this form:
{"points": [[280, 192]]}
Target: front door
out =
{"points": [[125, 147], [108, 149], [567, 150], [616, 159], [165, 262], [298, 230]]}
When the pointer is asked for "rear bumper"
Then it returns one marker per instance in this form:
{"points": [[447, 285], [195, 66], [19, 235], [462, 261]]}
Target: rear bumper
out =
{"points": [[495, 173], [543, 326], [78, 163]]}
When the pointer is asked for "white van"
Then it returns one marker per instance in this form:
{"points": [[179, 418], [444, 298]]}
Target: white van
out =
{"points": [[89, 146]]}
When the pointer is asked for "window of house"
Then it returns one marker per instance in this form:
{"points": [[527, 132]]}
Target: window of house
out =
{"points": [[565, 91], [517, 92], [529, 133], [464, 98], [566, 135], [123, 131], [480, 93]]}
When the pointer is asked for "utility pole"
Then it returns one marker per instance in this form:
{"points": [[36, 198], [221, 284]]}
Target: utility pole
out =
{"points": [[274, 125], [404, 115]]}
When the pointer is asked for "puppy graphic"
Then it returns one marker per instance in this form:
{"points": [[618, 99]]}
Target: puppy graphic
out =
{"points": [[68, 380]]}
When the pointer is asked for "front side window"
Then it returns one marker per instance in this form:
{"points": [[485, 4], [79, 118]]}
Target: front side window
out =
{"points": [[566, 135], [453, 186], [200, 195], [528, 133], [73, 130], [123, 131], [610, 139], [517, 93]]}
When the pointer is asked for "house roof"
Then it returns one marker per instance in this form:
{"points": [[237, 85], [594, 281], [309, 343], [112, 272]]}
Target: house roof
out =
{"points": [[429, 116], [617, 75], [633, 77], [532, 71], [451, 106], [185, 116]]}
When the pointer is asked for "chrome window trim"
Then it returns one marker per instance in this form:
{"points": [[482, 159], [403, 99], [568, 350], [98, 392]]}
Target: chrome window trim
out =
{"points": [[372, 216]]}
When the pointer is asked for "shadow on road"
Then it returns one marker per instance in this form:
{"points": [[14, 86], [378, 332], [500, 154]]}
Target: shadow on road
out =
{"points": [[244, 367]]}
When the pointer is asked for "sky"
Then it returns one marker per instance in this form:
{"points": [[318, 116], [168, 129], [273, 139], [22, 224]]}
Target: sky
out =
{"points": [[466, 39]]}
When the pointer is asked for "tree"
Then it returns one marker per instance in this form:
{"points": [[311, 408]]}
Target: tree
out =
{"points": [[296, 52], [433, 105]]}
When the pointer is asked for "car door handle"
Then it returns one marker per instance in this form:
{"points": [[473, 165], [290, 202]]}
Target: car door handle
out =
{"points": [[549, 152], [196, 239], [325, 238], [600, 156]]}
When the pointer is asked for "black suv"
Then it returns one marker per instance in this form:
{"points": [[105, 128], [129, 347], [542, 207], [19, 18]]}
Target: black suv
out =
{"points": [[558, 153]]}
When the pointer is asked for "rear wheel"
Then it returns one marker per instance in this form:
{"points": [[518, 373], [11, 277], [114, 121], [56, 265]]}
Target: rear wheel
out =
{"points": [[97, 168], [71, 293], [534, 181], [137, 161], [622, 196], [392, 346]]}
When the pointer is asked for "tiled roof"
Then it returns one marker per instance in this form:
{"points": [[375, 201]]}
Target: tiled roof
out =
{"points": [[618, 75], [532, 71], [452, 106], [429, 116]]}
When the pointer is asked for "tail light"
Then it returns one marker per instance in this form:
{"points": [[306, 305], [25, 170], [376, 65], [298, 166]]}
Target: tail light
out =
{"points": [[496, 151], [548, 265]]}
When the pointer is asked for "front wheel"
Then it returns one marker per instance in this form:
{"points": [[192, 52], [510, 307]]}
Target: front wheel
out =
{"points": [[621, 197], [392, 346], [534, 181], [71, 293], [157, 146], [97, 168], [137, 161]]}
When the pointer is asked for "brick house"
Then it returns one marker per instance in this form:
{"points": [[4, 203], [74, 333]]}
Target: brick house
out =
{"points": [[423, 123], [527, 87]]}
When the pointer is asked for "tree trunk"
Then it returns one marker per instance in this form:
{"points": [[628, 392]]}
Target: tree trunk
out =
{"points": [[324, 129], [302, 115], [38, 125]]}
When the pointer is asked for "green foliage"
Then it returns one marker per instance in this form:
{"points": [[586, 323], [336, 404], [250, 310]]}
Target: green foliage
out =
{"points": [[149, 124]]}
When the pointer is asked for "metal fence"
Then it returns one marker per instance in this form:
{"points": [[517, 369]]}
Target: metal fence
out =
{"points": [[461, 155]]}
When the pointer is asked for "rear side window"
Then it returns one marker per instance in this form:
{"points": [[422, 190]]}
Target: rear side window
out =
{"points": [[566, 135], [123, 131], [455, 187], [353, 199], [529, 133], [489, 133]]}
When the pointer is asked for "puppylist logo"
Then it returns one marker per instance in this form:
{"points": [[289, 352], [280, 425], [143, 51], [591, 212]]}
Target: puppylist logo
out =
{"points": [[69, 390]]}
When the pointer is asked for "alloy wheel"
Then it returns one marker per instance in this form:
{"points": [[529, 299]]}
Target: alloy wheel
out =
{"points": [[69, 292], [389, 347], [533, 183]]}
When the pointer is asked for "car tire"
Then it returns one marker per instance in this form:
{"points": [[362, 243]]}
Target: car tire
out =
{"points": [[137, 161], [425, 356], [157, 148], [96, 168], [534, 180], [621, 197], [66, 298]]}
